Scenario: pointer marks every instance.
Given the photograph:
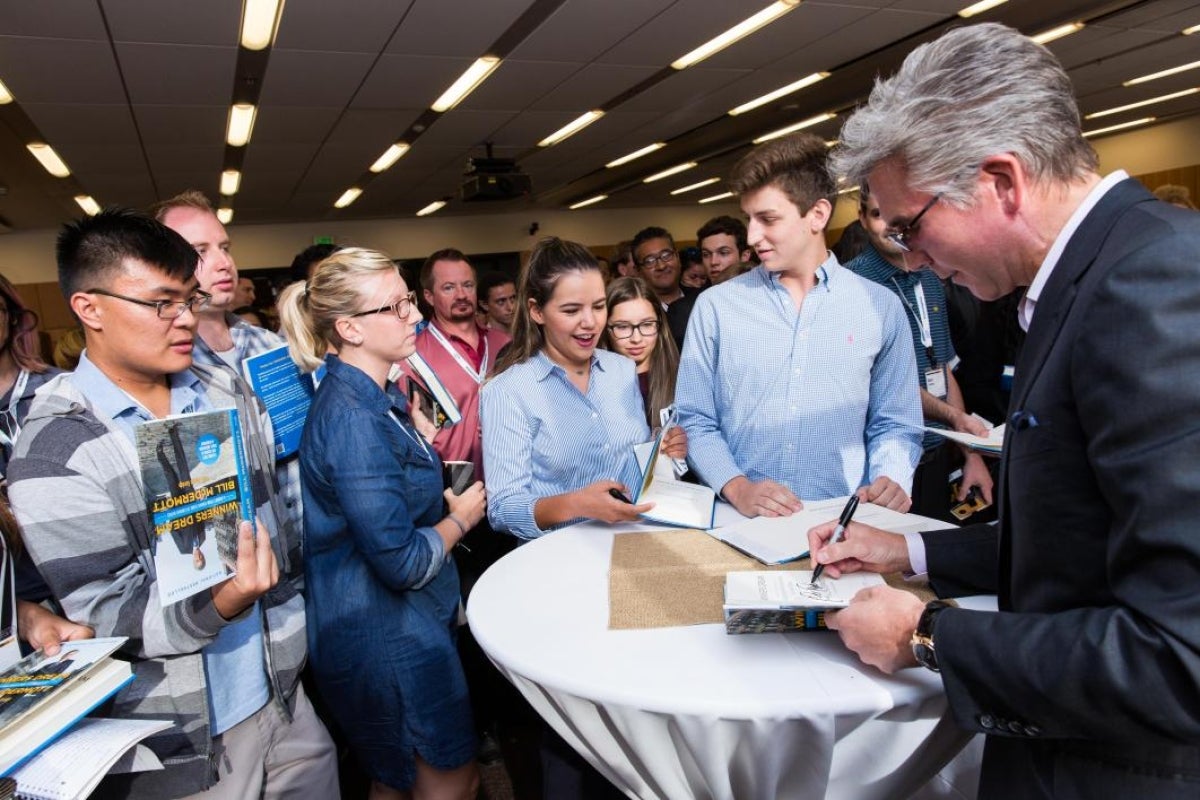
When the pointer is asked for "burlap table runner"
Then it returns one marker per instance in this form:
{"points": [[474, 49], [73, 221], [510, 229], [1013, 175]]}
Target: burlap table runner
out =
{"points": [[662, 579]]}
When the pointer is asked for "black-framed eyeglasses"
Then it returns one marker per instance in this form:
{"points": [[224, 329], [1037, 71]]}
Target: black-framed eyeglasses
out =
{"points": [[401, 308], [166, 309], [666, 257], [901, 236], [624, 330]]}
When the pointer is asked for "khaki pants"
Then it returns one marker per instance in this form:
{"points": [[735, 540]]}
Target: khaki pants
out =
{"points": [[265, 756]]}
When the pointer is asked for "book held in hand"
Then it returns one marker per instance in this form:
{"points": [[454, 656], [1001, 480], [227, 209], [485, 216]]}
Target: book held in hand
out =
{"points": [[683, 505], [197, 490], [285, 391], [766, 602], [430, 394], [42, 696]]}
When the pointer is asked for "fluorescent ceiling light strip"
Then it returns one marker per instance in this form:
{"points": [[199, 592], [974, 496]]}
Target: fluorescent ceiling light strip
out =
{"points": [[260, 21], [225, 215], [231, 180], [1162, 99], [598, 198], [389, 157], [692, 186], [436, 205], [980, 7], [1119, 127], [717, 197], [1164, 73], [739, 31], [88, 204], [645, 151], [799, 126], [467, 82], [1191, 30], [348, 197], [675, 170], [848, 190], [1054, 34], [49, 159], [571, 128], [241, 124], [782, 91], [5, 95]]}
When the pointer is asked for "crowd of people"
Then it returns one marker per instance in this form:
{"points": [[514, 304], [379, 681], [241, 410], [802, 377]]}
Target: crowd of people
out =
{"points": [[794, 375]]}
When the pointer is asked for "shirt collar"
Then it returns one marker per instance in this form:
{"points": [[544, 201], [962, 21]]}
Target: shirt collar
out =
{"points": [[110, 401], [363, 387], [546, 367], [1029, 302]]}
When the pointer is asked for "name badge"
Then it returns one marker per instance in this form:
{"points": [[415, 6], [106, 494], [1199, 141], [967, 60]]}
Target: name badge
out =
{"points": [[935, 382]]}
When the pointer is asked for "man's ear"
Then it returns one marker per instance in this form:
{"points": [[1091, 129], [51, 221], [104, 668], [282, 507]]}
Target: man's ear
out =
{"points": [[428, 295], [818, 216], [89, 314], [1004, 178]]}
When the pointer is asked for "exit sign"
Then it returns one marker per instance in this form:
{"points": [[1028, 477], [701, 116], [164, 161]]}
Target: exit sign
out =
{"points": [[322, 240]]}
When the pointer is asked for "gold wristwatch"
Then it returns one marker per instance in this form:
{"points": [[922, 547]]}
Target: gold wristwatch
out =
{"points": [[922, 638]]}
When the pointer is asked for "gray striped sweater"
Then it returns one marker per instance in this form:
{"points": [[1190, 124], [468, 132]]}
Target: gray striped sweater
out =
{"points": [[75, 486]]}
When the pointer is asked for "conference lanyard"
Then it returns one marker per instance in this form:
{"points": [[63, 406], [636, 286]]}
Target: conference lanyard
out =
{"points": [[476, 375], [413, 434], [921, 315], [11, 426], [10, 649]]}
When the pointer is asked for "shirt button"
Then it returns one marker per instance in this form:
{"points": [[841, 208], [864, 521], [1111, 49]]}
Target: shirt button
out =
{"points": [[595, 415]]}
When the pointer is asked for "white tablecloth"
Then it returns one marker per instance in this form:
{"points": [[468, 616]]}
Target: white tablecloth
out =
{"points": [[692, 712]]}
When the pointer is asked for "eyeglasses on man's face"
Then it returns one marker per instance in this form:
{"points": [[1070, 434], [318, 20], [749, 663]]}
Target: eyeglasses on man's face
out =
{"points": [[653, 260], [624, 330], [902, 236], [166, 309], [401, 308]]}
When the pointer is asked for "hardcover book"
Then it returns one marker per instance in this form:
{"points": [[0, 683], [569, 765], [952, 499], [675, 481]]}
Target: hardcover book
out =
{"points": [[683, 505], [42, 696], [766, 602], [435, 400], [197, 490]]}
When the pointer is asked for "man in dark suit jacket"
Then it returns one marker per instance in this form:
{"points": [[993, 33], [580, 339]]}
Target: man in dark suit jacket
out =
{"points": [[1087, 683]]}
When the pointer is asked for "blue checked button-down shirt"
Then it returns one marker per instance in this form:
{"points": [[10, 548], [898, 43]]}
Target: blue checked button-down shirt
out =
{"points": [[543, 437], [872, 266], [250, 340], [822, 400]]}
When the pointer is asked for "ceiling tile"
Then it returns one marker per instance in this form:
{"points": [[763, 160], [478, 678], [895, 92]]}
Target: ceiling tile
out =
{"points": [[580, 30], [425, 28], [35, 71], [408, 81], [362, 26], [167, 74], [171, 21], [515, 85], [592, 87], [186, 125], [290, 78]]}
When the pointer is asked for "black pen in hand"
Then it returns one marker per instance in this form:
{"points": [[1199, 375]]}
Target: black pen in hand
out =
{"points": [[839, 532], [619, 495]]}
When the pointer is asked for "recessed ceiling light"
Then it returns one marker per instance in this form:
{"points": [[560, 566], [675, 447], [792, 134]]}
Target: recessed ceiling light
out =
{"points": [[49, 159], [467, 82], [675, 170], [1120, 127], [1129, 107], [571, 128], [225, 215], [89, 205], [436, 205], [1162, 73], [348, 197], [241, 124], [799, 126], [739, 31], [980, 7], [691, 186], [589, 201], [389, 157], [782, 91], [260, 21], [1054, 34], [231, 180], [647, 150], [717, 197]]}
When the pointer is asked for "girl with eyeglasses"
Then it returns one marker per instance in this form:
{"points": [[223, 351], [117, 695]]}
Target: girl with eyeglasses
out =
{"points": [[635, 326], [382, 589], [559, 416]]}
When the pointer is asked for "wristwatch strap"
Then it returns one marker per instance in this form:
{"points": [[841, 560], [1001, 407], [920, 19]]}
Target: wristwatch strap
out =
{"points": [[922, 638]]}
